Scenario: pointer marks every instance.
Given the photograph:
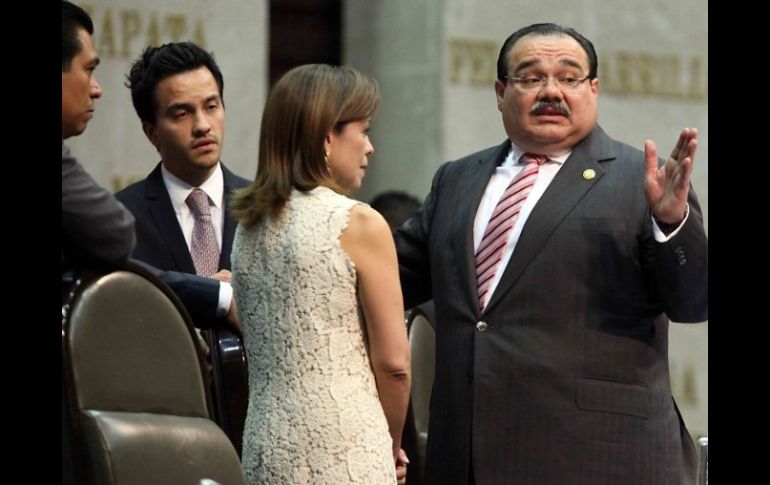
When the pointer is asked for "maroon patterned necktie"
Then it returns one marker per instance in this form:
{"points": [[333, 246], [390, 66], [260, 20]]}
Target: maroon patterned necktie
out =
{"points": [[203, 245], [501, 223]]}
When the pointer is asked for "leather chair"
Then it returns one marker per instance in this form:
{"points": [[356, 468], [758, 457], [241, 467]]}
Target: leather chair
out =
{"points": [[133, 386]]}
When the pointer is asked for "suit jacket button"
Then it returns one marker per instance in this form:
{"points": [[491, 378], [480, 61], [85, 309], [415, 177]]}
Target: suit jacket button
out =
{"points": [[481, 326]]}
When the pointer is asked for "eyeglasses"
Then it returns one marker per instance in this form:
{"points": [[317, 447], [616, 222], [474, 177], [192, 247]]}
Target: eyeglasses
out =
{"points": [[531, 83]]}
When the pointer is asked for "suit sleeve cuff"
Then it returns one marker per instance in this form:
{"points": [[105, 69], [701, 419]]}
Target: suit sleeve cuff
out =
{"points": [[225, 298], [661, 236]]}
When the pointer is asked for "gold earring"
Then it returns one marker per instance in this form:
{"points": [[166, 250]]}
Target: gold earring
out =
{"points": [[326, 158]]}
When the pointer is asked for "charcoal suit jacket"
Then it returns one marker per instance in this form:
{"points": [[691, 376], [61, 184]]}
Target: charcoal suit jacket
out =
{"points": [[566, 380]]}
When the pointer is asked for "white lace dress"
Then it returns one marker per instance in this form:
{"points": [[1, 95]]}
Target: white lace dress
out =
{"points": [[313, 415]]}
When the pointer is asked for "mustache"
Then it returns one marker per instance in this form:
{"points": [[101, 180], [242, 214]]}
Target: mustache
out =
{"points": [[550, 104], [205, 139]]}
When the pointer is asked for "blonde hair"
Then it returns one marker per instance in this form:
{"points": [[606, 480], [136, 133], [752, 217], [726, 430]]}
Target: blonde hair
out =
{"points": [[305, 105]]}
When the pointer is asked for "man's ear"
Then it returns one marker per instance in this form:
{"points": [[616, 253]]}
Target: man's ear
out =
{"points": [[499, 93], [594, 86]]}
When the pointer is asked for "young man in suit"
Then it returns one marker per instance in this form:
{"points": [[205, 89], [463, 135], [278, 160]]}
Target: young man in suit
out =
{"points": [[177, 91], [555, 261], [183, 222]]}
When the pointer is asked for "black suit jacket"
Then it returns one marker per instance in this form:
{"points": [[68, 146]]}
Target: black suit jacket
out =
{"points": [[161, 244], [569, 381], [160, 241]]}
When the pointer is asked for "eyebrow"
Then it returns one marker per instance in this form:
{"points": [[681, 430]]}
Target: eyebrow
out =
{"points": [[533, 62], [213, 97], [190, 106]]}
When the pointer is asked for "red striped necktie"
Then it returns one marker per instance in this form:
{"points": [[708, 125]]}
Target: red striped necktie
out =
{"points": [[501, 223]]}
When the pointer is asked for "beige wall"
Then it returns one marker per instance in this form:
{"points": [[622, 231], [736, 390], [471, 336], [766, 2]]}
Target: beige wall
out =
{"points": [[401, 44]]}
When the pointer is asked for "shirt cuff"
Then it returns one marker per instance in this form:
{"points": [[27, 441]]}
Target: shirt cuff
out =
{"points": [[660, 236], [225, 298]]}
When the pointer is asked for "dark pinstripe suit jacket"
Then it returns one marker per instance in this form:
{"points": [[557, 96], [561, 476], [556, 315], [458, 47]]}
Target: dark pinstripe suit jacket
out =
{"points": [[569, 383]]}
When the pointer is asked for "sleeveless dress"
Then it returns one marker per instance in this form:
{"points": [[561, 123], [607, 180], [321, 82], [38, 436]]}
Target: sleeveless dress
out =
{"points": [[314, 416]]}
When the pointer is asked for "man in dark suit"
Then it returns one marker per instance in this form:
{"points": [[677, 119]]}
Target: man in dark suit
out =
{"points": [[177, 91], [96, 229], [552, 319], [183, 223]]}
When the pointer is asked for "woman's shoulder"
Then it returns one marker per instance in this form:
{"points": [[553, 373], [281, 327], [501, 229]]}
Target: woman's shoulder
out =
{"points": [[366, 224]]}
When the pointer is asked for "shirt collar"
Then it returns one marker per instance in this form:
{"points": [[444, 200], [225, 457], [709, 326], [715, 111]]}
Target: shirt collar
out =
{"points": [[178, 189], [515, 154]]}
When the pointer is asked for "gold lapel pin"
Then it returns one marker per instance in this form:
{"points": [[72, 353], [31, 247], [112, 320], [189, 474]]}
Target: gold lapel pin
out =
{"points": [[589, 174]]}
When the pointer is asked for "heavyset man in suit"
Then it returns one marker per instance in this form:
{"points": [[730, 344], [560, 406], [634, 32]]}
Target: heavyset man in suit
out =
{"points": [[177, 91], [559, 373]]}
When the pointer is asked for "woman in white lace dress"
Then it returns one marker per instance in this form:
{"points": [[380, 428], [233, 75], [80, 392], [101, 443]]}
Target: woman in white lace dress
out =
{"points": [[316, 280]]}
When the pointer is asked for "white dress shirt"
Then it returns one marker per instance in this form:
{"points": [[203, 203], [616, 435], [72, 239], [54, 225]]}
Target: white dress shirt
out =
{"points": [[214, 187], [499, 181]]}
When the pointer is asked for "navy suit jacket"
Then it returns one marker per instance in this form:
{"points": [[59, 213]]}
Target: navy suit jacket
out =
{"points": [[161, 244], [568, 380]]}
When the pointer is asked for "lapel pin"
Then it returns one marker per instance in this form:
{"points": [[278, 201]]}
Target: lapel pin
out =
{"points": [[589, 174]]}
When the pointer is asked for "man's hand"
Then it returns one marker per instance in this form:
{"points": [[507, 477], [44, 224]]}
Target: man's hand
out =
{"points": [[667, 187], [226, 276], [222, 275], [401, 461]]}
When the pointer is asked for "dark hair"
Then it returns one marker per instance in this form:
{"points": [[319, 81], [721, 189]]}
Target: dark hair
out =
{"points": [[304, 106], [395, 206], [158, 63], [546, 29], [73, 18]]}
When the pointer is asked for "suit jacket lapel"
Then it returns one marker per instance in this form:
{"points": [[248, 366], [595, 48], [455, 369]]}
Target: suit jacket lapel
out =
{"points": [[165, 219], [562, 195], [228, 230], [474, 187]]}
